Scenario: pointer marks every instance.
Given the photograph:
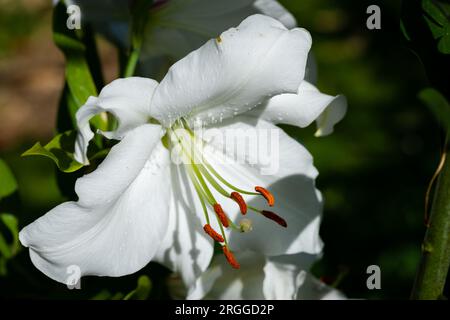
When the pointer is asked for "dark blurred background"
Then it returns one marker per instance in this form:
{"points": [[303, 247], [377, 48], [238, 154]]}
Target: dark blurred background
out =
{"points": [[374, 170]]}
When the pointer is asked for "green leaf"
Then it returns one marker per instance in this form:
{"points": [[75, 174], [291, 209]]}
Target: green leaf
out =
{"points": [[102, 295], [117, 296], [106, 295], [78, 74], [435, 11], [444, 42], [8, 183], [438, 105], [142, 290], [9, 250], [12, 224], [60, 150], [436, 29], [5, 250], [437, 18], [404, 31]]}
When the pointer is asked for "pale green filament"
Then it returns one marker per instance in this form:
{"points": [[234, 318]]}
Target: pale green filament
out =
{"points": [[253, 209], [200, 194], [213, 182], [201, 188], [213, 171]]}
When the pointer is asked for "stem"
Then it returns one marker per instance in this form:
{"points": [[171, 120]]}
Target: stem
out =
{"points": [[432, 273], [132, 62]]}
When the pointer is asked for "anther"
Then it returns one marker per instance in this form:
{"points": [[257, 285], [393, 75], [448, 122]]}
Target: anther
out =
{"points": [[212, 233], [230, 257], [240, 201], [222, 216], [273, 216], [266, 194]]}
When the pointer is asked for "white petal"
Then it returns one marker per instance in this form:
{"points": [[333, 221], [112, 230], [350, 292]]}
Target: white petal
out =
{"points": [[222, 282], [120, 219], [127, 99], [275, 10], [303, 108], [232, 74], [191, 23], [314, 289], [334, 113], [285, 274], [186, 249], [184, 25], [259, 277], [285, 168], [311, 69]]}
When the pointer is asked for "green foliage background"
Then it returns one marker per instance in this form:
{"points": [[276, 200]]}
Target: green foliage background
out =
{"points": [[374, 169]]}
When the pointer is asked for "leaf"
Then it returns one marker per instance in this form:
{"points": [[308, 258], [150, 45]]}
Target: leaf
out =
{"points": [[142, 290], [8, 183], [60, 150], [78, 74], [444, 42], [426, 26], [5, 250], [102, 295], [436, 29], [438, 105], [437, 17], [12, 224], [434, 10], [9, 250], [106, 295]]}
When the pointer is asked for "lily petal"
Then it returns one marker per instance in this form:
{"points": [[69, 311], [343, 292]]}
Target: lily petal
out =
{"points": [[185, 25], [221, 282], [273, 278], [275, 10], [302, 108], [233, 73], [314, 289], [127, 99], [186, 248], [284, 275], [191, 23], [118, 223], [286, 170]]}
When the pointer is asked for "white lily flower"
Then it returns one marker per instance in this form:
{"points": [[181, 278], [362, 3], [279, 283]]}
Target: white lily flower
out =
{"points": [[138, 206], [176, 27], [190, 18], [259, 278]]}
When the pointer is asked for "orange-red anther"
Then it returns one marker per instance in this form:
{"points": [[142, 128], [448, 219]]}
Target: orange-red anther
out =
{"points": [[240, 201], [222, 216], [273, 216], [267, 195], [230, 257], [212, 233]]}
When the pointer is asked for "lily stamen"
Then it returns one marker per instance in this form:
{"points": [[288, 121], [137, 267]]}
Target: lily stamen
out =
{"points": [[221, 215], [212, 233], [204, 175], [274, 217], [270, 215], [266, 194], [240, 201], [230, 257]]}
